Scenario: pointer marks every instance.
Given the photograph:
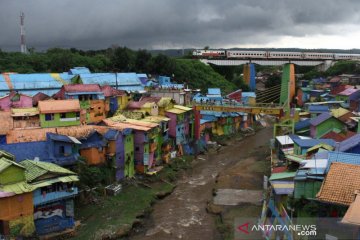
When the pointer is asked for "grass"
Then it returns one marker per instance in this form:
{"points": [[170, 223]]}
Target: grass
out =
{"points": [[114, 216]]}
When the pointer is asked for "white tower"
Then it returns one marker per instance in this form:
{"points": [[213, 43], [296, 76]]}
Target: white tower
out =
{"points": [[22, 32]]}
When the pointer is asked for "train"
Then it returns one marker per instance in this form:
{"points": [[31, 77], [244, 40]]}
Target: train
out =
{"points": [[240, 54]]}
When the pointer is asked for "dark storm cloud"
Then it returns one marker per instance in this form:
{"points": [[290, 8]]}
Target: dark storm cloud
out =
{"points": [[165, 23]]}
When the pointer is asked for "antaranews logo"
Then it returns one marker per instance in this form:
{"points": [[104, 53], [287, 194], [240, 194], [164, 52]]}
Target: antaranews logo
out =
{"points": [[246, 229]]}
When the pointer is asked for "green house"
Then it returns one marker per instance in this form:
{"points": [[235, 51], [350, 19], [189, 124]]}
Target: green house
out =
{"points": [[59, 113], [323, 124], [10, 171]]}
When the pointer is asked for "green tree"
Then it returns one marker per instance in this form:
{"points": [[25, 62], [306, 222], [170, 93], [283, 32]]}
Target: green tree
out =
{"points": [[122, 59], [142, 60]]}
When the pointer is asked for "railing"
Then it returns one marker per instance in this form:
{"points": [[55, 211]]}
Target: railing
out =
{"points": [[40, 198]]}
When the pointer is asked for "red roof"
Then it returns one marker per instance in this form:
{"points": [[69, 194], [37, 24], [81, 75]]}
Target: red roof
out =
{"points": [[235, 95], [73, 88], [339, 89], [111, 92], [82, 88], [279, 169], [39, 97], [150, 99], [338, 137]]}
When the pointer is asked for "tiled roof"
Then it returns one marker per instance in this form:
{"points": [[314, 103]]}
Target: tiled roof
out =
{"points": [[111, 92], [312, 142], [35, 169], [36, 135], [349, 143], [349, 158], [59, 106], [340, 184], [319, 119]]}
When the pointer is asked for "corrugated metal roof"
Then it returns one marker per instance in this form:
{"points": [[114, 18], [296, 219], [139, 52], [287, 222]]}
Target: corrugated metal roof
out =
{"points": [[319, 119], [182, 107], [302, 124], [59, 106], [321, 145], [349, 143], [35, 169], [123, 81], [125, 125], [312, 142], [248, 94], [5, 163], [349, 158], [176, 111], [214, 91], [79, 70], [63, 138], [32, 83], [318, 109], [156, 119], [282, 175], [283, 187], [284, 140]]}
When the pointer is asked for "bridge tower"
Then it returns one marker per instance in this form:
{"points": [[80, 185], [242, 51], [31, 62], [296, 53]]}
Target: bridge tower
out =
{"points": [[249, 76], [287, 84]]}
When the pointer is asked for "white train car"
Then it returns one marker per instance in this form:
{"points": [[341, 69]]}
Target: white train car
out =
{"points": [[346, 56], [286, 55], [315, 55], [210, 53], [246, 54]]}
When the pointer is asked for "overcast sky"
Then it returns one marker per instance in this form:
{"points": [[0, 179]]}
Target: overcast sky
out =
{"points": [[160, 24]]}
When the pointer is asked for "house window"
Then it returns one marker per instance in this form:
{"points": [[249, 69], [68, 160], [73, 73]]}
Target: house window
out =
{"points": [[62, 115], [62, 150], [78, 114], [137, 149], [49, 117]]}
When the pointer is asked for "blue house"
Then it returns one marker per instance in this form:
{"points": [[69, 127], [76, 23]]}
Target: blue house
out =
{"points": [[316, 110], [302, 145], [62, 150], [54, 196], [350, 145]]}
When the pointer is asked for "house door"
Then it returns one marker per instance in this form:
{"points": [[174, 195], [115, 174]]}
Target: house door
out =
{"points": [[129, 166], [4, 228]]}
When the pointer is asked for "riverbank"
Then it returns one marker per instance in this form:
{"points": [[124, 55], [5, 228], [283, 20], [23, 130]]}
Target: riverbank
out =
{"points": [[185, 214], [114, 217]]}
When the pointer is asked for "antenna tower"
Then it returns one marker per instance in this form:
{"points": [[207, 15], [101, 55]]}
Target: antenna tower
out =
{"points": [[22, 32]]}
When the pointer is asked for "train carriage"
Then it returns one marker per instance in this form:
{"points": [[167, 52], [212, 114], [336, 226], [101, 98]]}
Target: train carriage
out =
{"points": [[209, 53], [246, 54]]}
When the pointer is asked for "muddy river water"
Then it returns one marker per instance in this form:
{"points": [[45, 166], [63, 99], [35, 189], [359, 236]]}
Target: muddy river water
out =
{"points": [[183, 214]]}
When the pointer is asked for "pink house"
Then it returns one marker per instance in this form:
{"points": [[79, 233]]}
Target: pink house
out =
{"points": [[15, 100]]}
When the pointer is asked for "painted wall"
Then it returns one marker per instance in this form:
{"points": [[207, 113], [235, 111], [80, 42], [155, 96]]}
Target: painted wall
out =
{"points": [[24, 101], [129, 155], [94, 155], [16, 206], [97, 111], [12, 174], [324, 127], [71, 119], [26, 122]]}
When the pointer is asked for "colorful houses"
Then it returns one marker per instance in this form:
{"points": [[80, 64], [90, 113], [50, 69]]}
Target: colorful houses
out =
{"points": [[15, 100], [59, 113], [180, 124], [35, 196], [325, 123]]}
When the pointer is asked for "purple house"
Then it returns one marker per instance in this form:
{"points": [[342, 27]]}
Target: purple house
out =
{"points": [[117, 141], [350, 145], [15, 100]]}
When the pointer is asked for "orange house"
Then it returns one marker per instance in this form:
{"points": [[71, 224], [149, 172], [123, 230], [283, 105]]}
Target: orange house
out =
{"points": [[93, 148]]}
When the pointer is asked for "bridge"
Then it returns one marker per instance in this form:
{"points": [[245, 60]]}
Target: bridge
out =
{"points": [[267, 62]]}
